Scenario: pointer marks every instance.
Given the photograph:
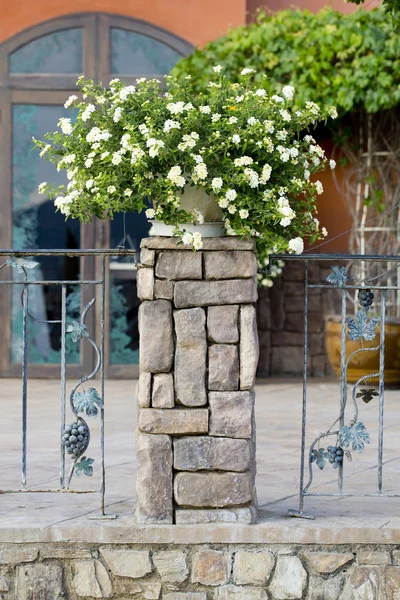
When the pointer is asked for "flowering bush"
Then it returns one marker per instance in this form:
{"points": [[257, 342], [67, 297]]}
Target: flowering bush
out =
{"points": [[131, 145]]}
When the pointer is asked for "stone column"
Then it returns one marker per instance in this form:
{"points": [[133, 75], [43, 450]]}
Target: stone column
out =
{"points": [[198, 358]]}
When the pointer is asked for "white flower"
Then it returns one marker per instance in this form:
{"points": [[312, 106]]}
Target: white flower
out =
{"points": [[285, 221], [45, 149], [104, 154], [251, 177], [236, 138], [319, 187], [65, 125], [140, 80], [189, 106], [307, 174], [231, 195], [247, 71], [284, 153], [324, 232], [150, 213], [143, 129], [223, 203], [285, 115], [117, 114], [288, 92], [239, 98], [243, 161], [277, 99], [125, 141], [91, 154], [114, 81], [101, 99], [316, 223], [111, 189], [198, 158], [42, 187], [187, 239], [260, 92], [216, 184], [332, 164], [176, 107], [154, 146], [232, 120], [116, 158], [312, 108], [88, 162], [175, 176], [269, 126], [293, 152], [296, 245], [332, 112], [170, 124], [188, 141], [128, 193], [215, 117], [70, 100], [88, 111], [252, 121], [232, 209], [200, 171], [217, 69], [136, 153], [124, 93], [266, 173], [198, 217], [197, 241], [243, 213], [205, 110], [89, 183]]}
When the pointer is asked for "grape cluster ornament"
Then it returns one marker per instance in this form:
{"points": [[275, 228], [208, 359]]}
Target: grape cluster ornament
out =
{"points": [[76, 438]]}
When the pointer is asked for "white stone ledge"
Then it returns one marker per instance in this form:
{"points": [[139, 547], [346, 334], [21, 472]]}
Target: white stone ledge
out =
{"points": [[222, 243]]}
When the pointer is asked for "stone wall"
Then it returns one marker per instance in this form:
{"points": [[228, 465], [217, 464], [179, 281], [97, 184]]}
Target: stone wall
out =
{"points": [[66, 571], [198, 358]]}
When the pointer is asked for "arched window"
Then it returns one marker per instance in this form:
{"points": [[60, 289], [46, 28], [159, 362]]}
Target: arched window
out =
{"points": [[38, 71]]}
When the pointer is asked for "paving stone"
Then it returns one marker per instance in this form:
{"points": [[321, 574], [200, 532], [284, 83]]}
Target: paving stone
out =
{"points": [[290, 578], [211, 567], [222, 324], [39, 582], [235, 592], [127, 563], [179, 265], [163, 391], [145, 283], [373, 557], [231, 414], [91, 579], [141, 590], [327, 562], [188, 516], [252, 567], [392, 583], [249, 347], [325, 589], [212, 489], [163, 288], [186, 596], [154, 478], [220, 243], [229, 264], [144, 390], [156, 341], [223, 367], [171, 566], [365, 583], [18, 553], [190, 357], [147, 257], [174, 421], [198, 453], [207, 293]]}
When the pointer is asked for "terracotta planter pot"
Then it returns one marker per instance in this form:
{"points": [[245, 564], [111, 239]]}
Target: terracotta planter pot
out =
{"points": [[364, 363]]}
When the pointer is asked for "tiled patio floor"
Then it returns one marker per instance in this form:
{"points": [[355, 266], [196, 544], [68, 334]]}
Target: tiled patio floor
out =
{"points": [[278, 443]]}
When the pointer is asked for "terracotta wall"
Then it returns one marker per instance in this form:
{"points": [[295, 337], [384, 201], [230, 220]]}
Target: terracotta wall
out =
{"points": [[313, 5]]}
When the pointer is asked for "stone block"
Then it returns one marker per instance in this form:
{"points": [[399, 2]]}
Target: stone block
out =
{"points": [[253, 568], [163, 288], [185, 596], [366, 583], [235, 592], [231, 414], [147, 257], [222, 324], [144, 390], [373, 557], [396, 557], [211, 567], [188, 516], [18, 553], [171, 566], [229, 264], [190, 357], [179, 265], [327, 562], [392, 583], [154, 478], [91, 579], [163, 391], [145, 283], [223, 367], [39, 582], [64, 552], [127, 563], [249, 347], [214, 490], [4, 587], [287, 360], [325, 589], [289, 580], [221, 243], [295, 322], [141, 590], [205, 453], [207, 293], [156, 339], [174, 421]]}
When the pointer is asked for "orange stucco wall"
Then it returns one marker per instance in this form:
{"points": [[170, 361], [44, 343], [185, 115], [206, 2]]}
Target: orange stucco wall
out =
{"points": [[313, 5], [196, 21]]}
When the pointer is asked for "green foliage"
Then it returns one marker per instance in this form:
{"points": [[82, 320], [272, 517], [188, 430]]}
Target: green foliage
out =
{"points": [[391, 7], [349, 60]]}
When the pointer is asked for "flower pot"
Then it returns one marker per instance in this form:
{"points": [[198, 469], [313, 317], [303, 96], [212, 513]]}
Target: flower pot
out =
{"points": [[364, 363], [207, 230]]}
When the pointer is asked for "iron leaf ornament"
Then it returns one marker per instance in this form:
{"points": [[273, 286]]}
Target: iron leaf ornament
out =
{"points": [[319, 457], [367, 395], [88, 401], [355, 436], [20, 264], [84, 466], [338, 276], [77, 331], [361, 327]]}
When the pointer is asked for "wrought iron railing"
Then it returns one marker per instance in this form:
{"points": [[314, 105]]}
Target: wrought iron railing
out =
{"points": [[374, 294], [74, 434]]}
